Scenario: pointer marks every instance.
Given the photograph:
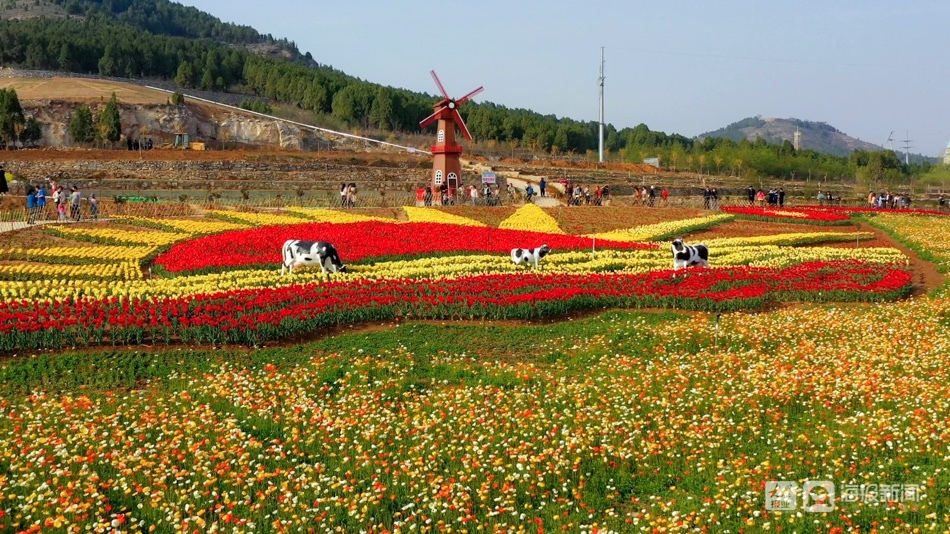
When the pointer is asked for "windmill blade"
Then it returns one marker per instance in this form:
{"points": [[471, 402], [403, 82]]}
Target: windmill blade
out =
{"points": [[439, 83], [461, 124], [428, 120], [469, 96]]}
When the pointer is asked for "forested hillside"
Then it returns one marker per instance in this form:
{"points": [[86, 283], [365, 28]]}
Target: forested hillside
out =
{"points": [[160, 39]]}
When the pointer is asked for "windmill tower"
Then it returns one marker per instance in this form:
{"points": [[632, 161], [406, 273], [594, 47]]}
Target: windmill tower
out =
{"points": [[446, 167], [946, 155]]}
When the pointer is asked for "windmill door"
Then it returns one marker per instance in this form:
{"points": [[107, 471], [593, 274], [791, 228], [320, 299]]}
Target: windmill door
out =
{"points": [[453, 184]]}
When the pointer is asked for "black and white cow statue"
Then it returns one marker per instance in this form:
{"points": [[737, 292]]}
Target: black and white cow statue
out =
{"points": [[689, 255], [529, 255], [302, 253]]}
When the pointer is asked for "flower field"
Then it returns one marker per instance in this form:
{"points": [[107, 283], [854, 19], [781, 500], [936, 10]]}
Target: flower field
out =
{"points": [[788, 360], [796, 215]]}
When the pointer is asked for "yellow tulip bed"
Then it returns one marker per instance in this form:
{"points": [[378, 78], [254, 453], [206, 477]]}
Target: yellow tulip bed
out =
{"points": [[101, 271], [435, 216], [330, 216], [80, 254], [791, 239], [188, 226], [114, 236], [533, 219], [254, 218], [665, 230]]}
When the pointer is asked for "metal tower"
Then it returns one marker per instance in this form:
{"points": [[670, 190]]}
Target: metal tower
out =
{"points": [[600, 144], [907, 148]]}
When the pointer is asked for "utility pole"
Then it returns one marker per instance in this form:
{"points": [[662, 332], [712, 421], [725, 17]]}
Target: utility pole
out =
{"points": [[600, 144], [907, 148]]}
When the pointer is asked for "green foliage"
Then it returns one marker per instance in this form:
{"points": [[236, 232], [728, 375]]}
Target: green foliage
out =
{"points": [[108, 125], [185, 75], [11, 115], [177, 98], [169, 18], [81, 127], [127, 370], [257, 105], [32, 133]]}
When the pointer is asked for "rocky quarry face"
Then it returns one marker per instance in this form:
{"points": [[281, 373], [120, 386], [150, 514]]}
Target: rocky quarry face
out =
{"points": [[162, 122]]}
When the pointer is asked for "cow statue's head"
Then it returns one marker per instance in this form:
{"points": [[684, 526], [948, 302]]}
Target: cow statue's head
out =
{"points": [[678, 245]]}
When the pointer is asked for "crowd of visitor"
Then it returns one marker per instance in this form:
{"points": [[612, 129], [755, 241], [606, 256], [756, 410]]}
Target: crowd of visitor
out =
{"points": [[68, 203], [887, 200]]}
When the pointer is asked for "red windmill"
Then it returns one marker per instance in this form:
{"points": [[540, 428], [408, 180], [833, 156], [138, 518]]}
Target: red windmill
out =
{"points": [[446, 168]]}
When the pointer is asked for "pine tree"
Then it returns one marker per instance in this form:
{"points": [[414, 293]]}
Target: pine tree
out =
{"points": [[11, 114], [185, 75], [80, 125], [108, 124]]}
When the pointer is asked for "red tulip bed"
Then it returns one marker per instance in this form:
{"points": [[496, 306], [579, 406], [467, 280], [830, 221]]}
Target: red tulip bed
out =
{"points": [[252, 316], [363, 241], [853, 209], [796, 215]]}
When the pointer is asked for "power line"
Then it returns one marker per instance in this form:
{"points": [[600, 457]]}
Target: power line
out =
{"points": [[743, 58]]}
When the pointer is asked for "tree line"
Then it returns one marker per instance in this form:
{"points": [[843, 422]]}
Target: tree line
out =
{"points": [[167, 18]]}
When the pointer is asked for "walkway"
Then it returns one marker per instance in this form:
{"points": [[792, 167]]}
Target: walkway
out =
{"points": [[11, 226]]}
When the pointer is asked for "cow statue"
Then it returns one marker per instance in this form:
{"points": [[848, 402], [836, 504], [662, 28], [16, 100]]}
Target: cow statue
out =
{"points": [[689, 255], [529, 255], [302, 253]]}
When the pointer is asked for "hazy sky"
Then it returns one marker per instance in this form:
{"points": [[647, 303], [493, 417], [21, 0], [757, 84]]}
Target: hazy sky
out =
{"points": [[865, 67]]}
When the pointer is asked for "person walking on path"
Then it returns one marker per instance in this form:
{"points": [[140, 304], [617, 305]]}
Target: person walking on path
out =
{"points": [[541, 185], [41, 201], [30, 204], [61, 199], [94, 207], [74, 198]]}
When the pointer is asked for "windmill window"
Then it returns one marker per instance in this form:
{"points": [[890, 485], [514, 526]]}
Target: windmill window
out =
{"points": [[441, 136], [452, 177], [438, 177]]}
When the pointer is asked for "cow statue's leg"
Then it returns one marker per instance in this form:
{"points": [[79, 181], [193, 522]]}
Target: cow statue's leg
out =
{"points": [[284, 256]]}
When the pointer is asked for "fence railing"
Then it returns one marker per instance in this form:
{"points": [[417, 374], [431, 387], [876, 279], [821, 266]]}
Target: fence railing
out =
{"points": [[108, 208]]}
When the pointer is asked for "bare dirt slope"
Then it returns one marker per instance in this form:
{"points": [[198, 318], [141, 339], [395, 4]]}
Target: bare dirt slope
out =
{"points": [[81, 90]]}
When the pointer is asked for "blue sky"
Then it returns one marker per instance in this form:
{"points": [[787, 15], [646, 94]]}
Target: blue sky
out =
{"points": [[865, 67]]}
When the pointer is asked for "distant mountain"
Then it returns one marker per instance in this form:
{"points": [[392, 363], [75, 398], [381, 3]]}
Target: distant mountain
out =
{"points": [[817, 136]]}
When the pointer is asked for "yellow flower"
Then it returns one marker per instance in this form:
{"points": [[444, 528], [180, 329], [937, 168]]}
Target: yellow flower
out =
{"points": [[433, 215], [533, 219]]}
